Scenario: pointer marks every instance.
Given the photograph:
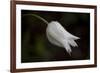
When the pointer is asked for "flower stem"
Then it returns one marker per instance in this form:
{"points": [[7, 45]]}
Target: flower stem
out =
{"points": [[37, 16]]}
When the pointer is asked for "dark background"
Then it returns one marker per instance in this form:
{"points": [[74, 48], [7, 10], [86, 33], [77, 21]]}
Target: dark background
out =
{"points": [[35, 46]]}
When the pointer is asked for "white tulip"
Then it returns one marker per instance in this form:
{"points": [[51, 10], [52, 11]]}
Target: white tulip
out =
{"points": [[58, 36]]}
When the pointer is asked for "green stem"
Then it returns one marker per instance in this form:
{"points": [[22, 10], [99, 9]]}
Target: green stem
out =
{"points": [[37, 16]]}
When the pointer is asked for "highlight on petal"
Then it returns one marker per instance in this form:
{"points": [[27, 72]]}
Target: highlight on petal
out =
{"points": [[58, 36]]}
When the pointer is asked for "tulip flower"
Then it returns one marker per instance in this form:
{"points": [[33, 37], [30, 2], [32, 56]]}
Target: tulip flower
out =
{"points": [[58, 36]]}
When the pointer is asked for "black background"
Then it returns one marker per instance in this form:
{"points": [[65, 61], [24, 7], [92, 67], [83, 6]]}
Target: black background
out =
{"points": [[35, 46]]}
